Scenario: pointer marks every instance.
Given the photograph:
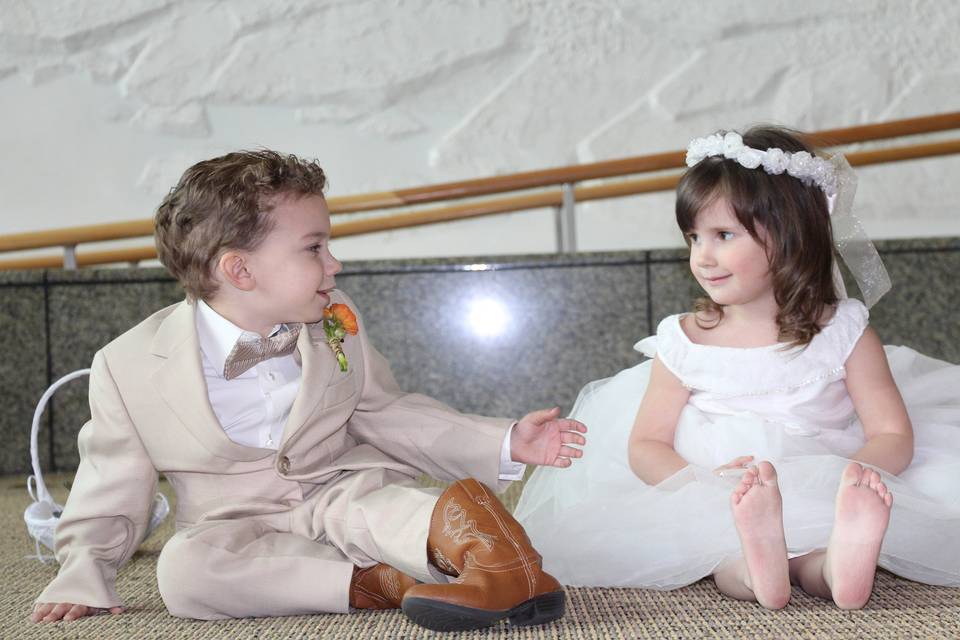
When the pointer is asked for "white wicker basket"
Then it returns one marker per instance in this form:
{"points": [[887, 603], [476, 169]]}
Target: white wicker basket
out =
{"points": [[44, 513]]}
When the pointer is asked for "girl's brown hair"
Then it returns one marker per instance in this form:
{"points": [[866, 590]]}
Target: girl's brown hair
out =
{"points": [[222, 204], [794, 215]]}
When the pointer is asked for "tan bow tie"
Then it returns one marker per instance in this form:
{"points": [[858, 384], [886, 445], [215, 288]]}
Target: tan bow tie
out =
{"points": [[246, 354]]}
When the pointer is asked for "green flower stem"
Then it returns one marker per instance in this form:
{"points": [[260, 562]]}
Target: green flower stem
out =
{"points": [[335, 333]]}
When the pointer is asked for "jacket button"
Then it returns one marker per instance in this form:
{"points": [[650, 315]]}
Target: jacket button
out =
{"points": [[284, 465]]}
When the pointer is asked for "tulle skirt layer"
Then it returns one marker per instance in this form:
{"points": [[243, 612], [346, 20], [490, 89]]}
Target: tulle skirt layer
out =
{"points": [[597, 524]]}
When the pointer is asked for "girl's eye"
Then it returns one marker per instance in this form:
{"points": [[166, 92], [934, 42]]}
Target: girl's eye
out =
{"points": [[691, 237], [315, 248], [726, 235]]}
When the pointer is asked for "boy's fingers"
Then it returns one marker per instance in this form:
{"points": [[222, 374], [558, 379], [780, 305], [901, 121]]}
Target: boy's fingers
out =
{"points": [[40, 610], [572, 425], [57, 612], [76, 611], [116, 610]]}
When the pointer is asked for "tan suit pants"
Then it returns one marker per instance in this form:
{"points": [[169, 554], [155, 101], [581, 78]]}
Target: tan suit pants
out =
{"points": [[298, 560]]}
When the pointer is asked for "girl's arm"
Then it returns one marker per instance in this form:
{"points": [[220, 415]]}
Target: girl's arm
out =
{"points": [[886, 425], [651, 452]]}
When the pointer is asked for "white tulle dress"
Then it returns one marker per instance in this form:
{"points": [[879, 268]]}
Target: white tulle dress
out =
{"points": [[598, 524]]}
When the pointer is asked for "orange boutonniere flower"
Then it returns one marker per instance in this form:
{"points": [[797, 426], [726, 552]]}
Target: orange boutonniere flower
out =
{"points": [[338, 321]]}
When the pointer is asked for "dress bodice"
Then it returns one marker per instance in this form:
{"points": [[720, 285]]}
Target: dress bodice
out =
{"points": [[801, 388]]}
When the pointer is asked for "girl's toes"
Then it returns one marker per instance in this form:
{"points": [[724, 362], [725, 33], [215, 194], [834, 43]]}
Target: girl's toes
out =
{"points": [[851, 474], [766, 473]]}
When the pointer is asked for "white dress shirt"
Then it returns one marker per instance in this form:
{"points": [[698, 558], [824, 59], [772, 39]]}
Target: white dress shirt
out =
{"points": [[253, 407]]}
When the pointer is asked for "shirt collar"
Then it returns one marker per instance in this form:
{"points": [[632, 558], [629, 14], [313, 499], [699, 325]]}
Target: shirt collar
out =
{"points": [[218, 335]]}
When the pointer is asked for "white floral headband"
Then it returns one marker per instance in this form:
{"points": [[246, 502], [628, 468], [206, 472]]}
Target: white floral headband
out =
{"points": [[836, 179], [810, 169]]}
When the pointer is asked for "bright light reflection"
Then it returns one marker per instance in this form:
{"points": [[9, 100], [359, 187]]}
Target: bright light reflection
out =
{"points": [[488, 317], [476, 267]]}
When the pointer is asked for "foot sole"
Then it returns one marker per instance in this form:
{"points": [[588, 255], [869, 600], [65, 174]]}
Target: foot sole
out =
{"points": [[443, 616]]}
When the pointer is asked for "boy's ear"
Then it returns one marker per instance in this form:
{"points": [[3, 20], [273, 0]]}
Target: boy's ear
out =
{"points": [[232, 267]]}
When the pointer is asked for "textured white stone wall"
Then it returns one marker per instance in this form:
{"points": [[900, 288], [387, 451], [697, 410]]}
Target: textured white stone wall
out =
{"points": [[103, 103]]}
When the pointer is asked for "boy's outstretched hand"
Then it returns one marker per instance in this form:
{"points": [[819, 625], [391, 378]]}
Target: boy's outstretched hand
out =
{"points": [[54, 611], [542, 437]]}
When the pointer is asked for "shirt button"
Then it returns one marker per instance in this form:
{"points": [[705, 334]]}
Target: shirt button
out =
{"points": [[272, 377], [284, 465]]}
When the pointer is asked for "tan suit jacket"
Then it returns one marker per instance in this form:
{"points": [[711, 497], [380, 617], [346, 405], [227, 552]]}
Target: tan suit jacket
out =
{"points": [[150, 412]]}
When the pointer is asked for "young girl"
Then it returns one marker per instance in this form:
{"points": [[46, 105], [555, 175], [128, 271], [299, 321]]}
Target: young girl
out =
{"points": [[771, 439]]}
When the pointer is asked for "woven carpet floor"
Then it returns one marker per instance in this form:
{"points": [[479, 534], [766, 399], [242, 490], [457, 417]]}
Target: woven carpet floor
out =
{"points": [[898, 609]]}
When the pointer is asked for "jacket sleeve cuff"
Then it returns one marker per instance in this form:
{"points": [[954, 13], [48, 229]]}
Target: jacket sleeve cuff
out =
{"points": [[509, 470], [83, 580]]}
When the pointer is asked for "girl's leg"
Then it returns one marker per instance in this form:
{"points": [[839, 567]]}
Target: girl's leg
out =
{"points": [[844, 570], [807, 573], [862, 513], [733, 579], [763, 574]]}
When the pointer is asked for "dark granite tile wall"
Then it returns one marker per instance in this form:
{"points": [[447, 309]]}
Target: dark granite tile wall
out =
{"points": [[23, 369], [672, 287], [88, 309], [920, 310], [571, 319], [566, 325]]}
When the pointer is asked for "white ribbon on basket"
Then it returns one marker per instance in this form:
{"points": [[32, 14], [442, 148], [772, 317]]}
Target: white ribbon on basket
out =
{"points": [[43, 514]]}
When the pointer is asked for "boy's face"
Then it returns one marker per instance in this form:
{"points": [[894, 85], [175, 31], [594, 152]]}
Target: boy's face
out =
{"points": [[293, 267]]}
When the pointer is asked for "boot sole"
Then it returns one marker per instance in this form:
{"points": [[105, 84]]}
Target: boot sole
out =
{"points": [[443, 616]]}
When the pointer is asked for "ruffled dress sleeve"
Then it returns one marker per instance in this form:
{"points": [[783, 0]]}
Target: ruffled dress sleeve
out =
{"points": [[669, 344], [843, 331]]}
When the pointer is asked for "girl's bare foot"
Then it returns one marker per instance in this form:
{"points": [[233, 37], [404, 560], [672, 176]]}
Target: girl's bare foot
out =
{"points": [[861, 515], [758, 514]]}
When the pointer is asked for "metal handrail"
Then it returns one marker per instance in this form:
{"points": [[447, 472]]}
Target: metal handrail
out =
{"points": [[70, 237]]}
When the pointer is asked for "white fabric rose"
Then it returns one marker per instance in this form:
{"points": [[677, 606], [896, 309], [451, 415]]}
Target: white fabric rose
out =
{"points": [[799, 166], [750, 157], [775, 161], [732, 144], [696, 151], [700, 148], [823, 175]]}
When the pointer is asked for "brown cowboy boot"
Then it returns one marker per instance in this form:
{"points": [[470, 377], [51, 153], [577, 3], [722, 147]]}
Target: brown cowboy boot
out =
{"points": [[378, 587], [472, 536]]}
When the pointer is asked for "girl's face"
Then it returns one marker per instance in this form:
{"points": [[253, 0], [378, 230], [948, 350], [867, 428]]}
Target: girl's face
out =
{"points": [[729, 264]]}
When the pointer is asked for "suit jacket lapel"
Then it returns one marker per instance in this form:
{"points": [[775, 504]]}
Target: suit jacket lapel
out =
{"points": [[179, 381], [318, 362]]}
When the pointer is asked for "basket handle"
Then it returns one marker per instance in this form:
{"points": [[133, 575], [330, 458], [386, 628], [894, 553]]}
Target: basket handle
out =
{"points": [[42, 494]]}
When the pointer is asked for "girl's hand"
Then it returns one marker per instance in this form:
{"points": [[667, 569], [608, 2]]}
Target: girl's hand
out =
{"points": [[54, 611], [737, 464]]}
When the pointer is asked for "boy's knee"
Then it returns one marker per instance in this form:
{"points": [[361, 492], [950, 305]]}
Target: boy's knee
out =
{"points": [[177, 577]]}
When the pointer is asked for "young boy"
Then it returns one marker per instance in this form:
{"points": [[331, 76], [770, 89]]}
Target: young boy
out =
{"points": [[294, 479]]}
